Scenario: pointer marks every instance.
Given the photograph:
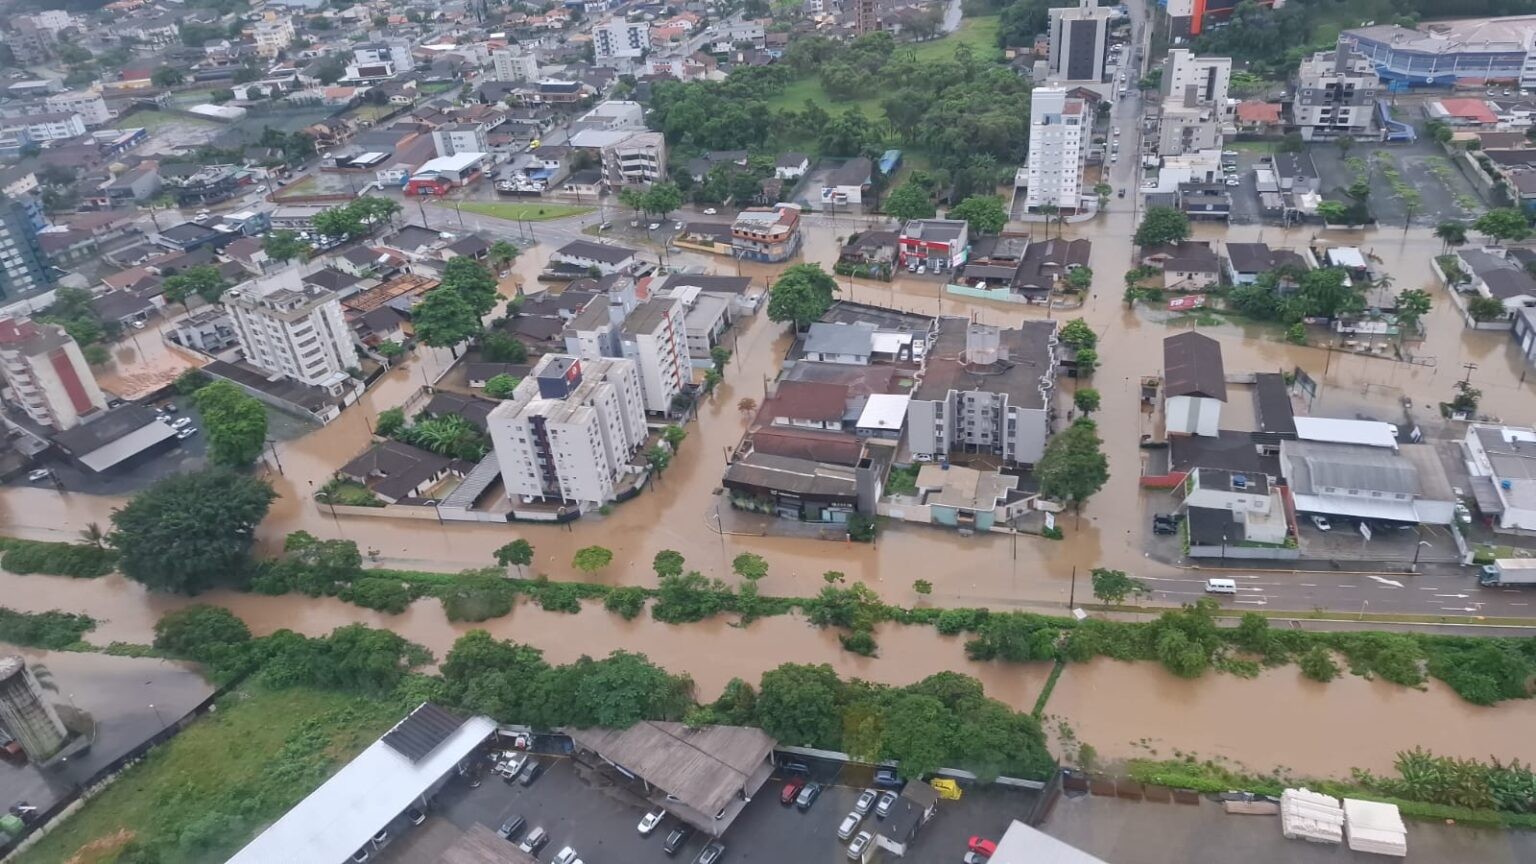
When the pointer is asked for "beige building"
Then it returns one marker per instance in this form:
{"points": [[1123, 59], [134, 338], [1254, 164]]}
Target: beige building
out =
{"points": [[293, 329]]}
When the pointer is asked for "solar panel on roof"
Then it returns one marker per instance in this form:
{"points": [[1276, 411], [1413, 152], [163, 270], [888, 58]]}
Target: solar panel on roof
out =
{"points": [[419, 734]]}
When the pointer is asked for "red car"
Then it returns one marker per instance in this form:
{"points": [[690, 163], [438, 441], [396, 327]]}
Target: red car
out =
{"points": [[791, 789], [982, 846]]}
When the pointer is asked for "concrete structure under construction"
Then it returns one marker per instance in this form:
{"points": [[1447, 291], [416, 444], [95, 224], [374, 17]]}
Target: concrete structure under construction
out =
{"points": [[25, 714]]}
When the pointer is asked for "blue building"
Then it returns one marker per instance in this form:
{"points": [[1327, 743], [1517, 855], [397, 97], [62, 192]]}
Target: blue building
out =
{"points": [[1442, 53]]}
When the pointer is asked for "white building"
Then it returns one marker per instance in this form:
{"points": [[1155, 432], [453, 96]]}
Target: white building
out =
{"points": [[1205, 80], [1058, 134], [1253, 503], [1502, 462], [1195, 103], [618, 39], [293, 329], [614, 114], [1194, 384], [515, 64], [50, 126], [653, 334], [1335, 95], [45, 374], [571, 431], [88, 104], [457, 138], [273, 35], [377, 60], [1079, 37]]}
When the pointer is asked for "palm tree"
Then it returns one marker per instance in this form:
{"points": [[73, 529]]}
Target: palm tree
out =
{"points": [[1049, 211], [502, 254], [1451, 233], [94, 535]]}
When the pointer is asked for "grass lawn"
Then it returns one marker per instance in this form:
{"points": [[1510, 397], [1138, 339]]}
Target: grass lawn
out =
{"points": [[526, 212], [305, 186], [153, 120], [208, 791], [979, 33]]}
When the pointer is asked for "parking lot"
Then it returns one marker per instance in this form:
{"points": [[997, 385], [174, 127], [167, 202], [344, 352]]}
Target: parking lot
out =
{"points": [[1387, 542], [596, 811], [1421, 166]]}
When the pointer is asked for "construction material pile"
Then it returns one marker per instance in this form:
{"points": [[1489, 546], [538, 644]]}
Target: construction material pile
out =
{"points": [[1307, 815], [1375, 827]]}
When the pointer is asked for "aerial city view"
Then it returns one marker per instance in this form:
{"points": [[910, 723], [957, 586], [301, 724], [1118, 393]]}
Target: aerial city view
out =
{"points": [[626, 431]]}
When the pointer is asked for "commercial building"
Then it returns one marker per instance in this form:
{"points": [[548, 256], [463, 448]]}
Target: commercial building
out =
{"points": [[767, 234], [1444, 53], [1058, 135], [1502, 462], [384, 59], [847, 183], [88, 104], [23, 263], [1339, 468], [1335, 95], [938, 245], [45, 374], [456, 138], [515, 64], [273, 35], [1194, 384], [571, 431], [1205, 80], [1079, 37], [438, 176], [117, 439], [984, 390], [293, 329], [46, 126], [1195, 102], [371, 794], [632, 158], [617, 39]]}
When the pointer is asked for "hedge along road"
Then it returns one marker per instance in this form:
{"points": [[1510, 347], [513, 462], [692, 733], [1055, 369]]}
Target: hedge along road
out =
{"points": [[1261, 723]]}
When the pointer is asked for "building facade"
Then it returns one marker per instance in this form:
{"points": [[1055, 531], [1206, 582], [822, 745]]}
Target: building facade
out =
{"points": [[45, 374], [571, 431], [1058, 133], [1079, 37], [88, 104], [293, 329], [23, 264], [459, 138], [48, 126], [514, 64], [617, 39], [639, 159], [1335, 95], [273, 35], [768, 234], [1444, 53]]}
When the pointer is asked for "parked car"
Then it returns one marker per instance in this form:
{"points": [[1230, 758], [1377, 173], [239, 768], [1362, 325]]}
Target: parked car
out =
{"points": [[850, 825], [536, 840], [710, 211], [859, 844], [791, 790], [1463, 515], [39, 474], [168, 408], [181, 422], [649, 821], [887, 801], [1321, 522], [566, 856], [796, 768], [676, 839], [866, 801], [511, 828], [532, 772], [360, 856], [711, 853], [808, 796], [415, 816], [381, 838], [653, 226], [887, 778], [513, 766], [186, 433], [981, 846]]}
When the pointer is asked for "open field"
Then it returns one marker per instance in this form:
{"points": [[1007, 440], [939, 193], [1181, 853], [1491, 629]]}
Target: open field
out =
{"points": [[526, 212], [152, 121], [204, 794]]}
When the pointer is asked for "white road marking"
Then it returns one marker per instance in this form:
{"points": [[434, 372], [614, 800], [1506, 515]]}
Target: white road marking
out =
{"points": [[1457, 596], [1385, 581]]}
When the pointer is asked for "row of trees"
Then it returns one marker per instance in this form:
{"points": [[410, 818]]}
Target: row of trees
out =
{"points": [[356, 218]]}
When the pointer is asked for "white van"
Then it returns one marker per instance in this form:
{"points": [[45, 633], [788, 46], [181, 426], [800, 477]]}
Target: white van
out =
{"points": [[1220, 586]]}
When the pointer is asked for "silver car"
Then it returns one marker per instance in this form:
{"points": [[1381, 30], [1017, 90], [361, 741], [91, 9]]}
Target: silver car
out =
{"points": [[850, 825], [866, 801], [859, 844], [887, 801]]}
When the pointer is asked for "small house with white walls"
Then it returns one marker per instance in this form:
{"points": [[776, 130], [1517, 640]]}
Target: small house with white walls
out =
{"points": [[1194, 385]]}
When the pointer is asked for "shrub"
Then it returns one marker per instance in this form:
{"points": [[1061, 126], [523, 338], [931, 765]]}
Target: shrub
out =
{"points": [[860, 642], [690, 597], [54, 630], [385, 595], [1318, 664], [200, 632], [556, 596], [625, 602], [477, 596], [952, 621], [80, 560]]}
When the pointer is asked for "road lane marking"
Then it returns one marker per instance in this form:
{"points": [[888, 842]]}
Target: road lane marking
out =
{"points": [[1385, 581]]}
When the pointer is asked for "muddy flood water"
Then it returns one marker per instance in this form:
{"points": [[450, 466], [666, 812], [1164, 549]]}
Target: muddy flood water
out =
{"points": [[1123, 709]]}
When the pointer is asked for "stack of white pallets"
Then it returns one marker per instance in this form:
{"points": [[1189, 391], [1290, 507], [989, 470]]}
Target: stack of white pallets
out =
{"points": [[1375, 827], [1306, 815]]}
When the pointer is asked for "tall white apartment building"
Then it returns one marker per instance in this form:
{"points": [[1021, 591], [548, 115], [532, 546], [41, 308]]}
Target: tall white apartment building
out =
{"points": [[1058, 135], [515, 64], [456, 138], [652, 334], [1079, 38], [619, 39], [571, 430], [87, 103], [273, 35], [1191, 79], [293, 329], [45, 375]]}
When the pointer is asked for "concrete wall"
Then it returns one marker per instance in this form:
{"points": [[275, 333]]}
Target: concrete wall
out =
{"points": [[1246, 552], [1030, 435]]}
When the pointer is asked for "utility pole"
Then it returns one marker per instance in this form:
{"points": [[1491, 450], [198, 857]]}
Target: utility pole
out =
{"points": [[1470, 367]]}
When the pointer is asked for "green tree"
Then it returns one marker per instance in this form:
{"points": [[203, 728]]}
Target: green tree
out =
{"points": [[984, 213], [750, 566], [1113, 586], [1077, 334], [166, 76], [1412, 305], [203, 280], [390, 421], [1087, 360], [1079, 278], [501, 386], [801, 703], [191, 531], [200, 632], [284, 245], [338, 222], [1332, 212], [1087, 400], [1485, 308], [1506, 225], [472, 281], [662, 198], [667, 562], [801, 296], [658, 457], [917, 732], [1451, 233], [1103, 191], [622, 689], [1073, 466], [1162, 226], [235, 422], [518, 552], [922, 586], [909, 201], [720, 355], [674, 435], [498, 347], [502, 254], [590, 559], [444, 320]]}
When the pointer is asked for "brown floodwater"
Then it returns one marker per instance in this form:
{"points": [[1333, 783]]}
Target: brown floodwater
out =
{"points": [[1280, 718]]}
